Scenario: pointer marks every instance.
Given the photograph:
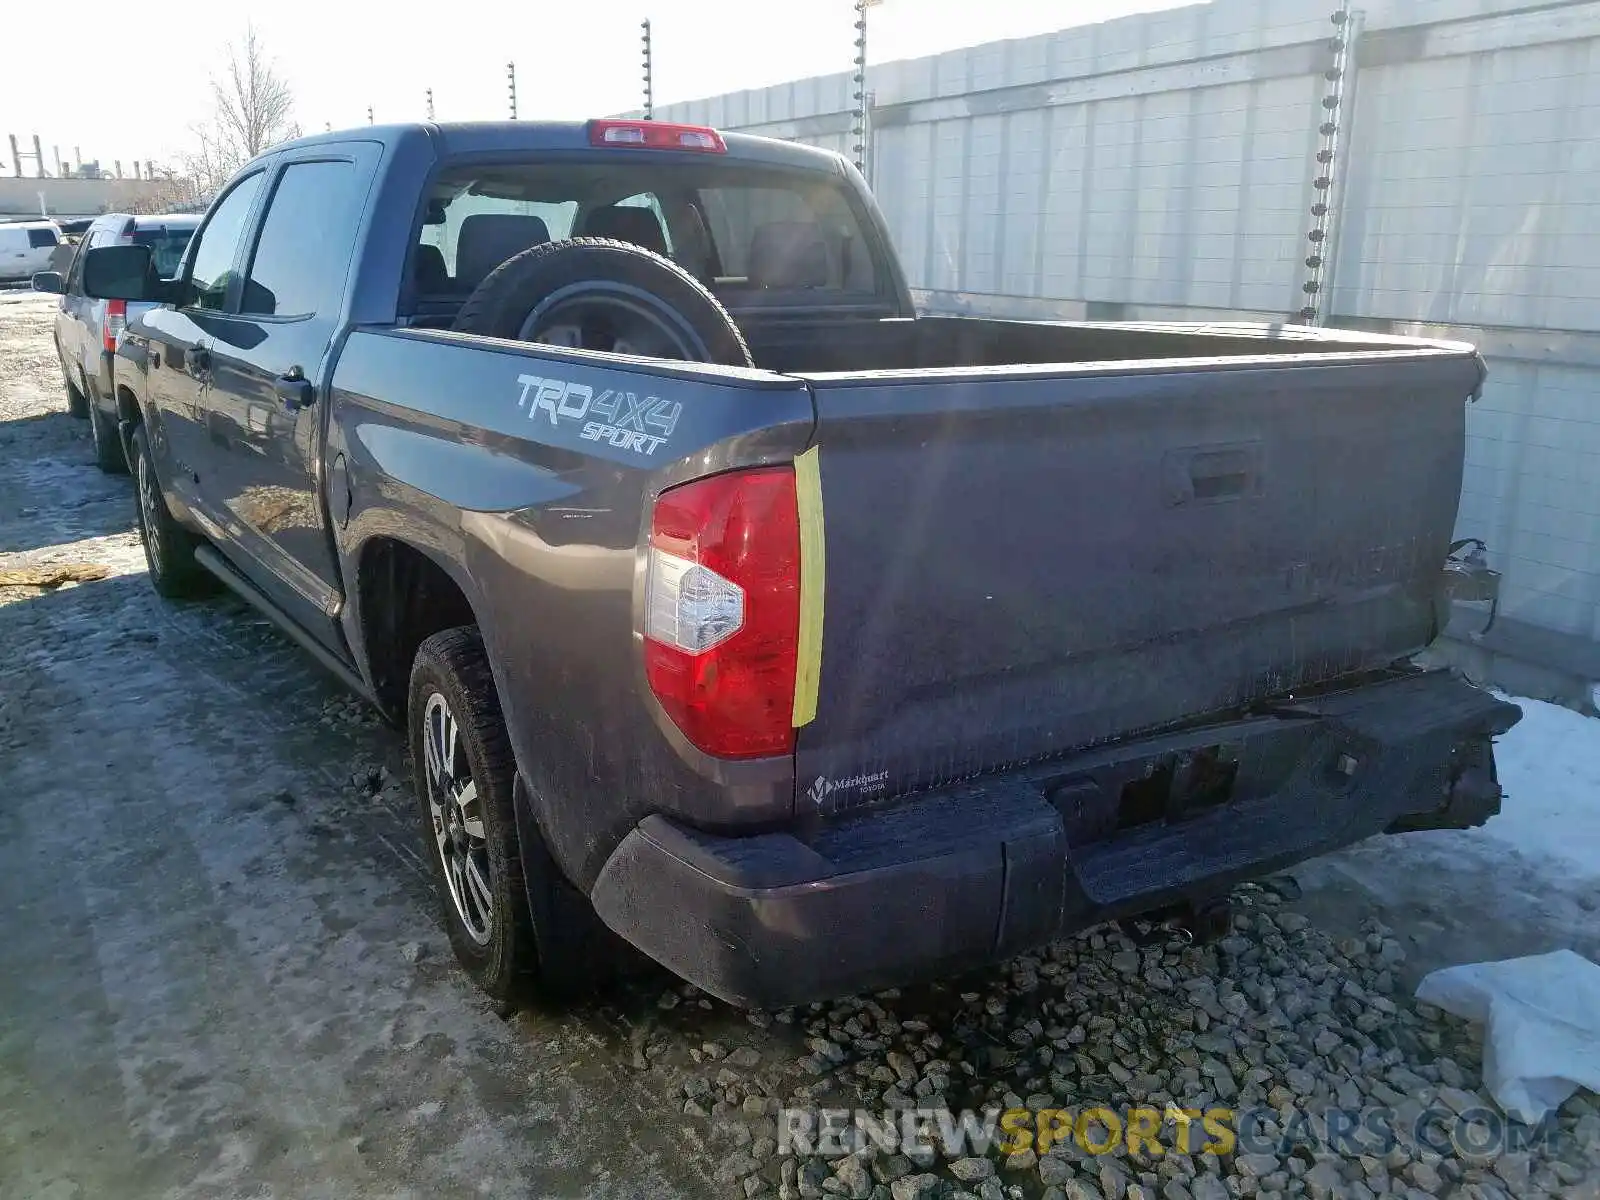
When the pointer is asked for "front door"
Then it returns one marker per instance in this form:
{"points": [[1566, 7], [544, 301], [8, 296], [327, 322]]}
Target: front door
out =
{"points": [[178, 353], [271, 371]]}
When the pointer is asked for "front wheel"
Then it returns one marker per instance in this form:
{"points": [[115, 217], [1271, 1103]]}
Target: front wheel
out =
{"points": [[462, 764]]}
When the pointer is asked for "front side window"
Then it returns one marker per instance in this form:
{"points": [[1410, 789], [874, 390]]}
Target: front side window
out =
{"points": [[218, 246], [306, 241], [74, 280], [39, 239], [91, 239]]}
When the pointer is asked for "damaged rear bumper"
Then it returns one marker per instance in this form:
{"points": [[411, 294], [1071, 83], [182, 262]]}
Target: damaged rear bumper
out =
{"points": [[979, 871]]}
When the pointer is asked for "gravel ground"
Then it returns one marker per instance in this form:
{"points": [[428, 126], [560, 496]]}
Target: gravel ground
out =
{"points": [[222, 973]]}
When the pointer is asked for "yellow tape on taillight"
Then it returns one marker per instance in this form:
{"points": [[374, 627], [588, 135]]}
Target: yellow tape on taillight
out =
{"points": [[808, 665]]}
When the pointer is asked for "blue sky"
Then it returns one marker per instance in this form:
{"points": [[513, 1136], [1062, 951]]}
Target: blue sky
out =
{"points": [[577, 59]]}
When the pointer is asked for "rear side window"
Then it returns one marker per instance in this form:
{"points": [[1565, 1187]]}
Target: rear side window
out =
{"points": [[218, 248], [166, 247], [38, 239], [306, 241]]}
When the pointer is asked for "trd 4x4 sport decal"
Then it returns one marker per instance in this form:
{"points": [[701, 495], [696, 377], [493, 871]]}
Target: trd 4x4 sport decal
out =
{"points": [[630, 422]]}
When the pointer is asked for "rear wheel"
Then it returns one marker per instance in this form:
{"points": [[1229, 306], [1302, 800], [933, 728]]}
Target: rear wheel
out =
{"points": [[168, 546], [486, 873], [461, 762]]}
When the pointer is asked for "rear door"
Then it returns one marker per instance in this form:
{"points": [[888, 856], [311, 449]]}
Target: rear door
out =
{"points": [[1023, 562], [271, 364], [179, 353]]}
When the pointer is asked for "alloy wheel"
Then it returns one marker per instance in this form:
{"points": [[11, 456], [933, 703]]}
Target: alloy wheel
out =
{"points": [[614, 318], [150, 510], [456, 813]]}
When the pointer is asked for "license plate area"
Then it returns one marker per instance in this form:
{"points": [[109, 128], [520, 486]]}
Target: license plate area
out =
{"points": [[1175, 779]]}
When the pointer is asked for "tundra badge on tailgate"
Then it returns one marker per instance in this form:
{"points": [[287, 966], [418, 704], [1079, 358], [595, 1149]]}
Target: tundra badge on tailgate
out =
{"points": [[631, 422]]}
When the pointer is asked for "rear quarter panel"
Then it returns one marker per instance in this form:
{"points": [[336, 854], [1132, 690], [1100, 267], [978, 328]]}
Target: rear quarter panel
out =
{"points": [[490, 458]]}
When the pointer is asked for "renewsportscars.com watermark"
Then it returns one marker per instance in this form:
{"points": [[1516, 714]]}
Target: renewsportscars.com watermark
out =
{"points": [[919, 1132]]}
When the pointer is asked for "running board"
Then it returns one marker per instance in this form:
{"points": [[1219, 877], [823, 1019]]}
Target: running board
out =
{"points": [[208, 558]]}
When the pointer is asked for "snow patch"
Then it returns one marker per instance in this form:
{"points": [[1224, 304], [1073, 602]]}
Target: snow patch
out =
{"points": [[1550, 770]]}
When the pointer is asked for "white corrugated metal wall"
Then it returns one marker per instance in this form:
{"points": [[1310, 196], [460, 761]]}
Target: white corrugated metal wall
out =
{"points": [[1161, 166]]}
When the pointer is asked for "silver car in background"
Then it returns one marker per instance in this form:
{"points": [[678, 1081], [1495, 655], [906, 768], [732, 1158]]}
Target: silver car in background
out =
{"points": [[87, 329]]}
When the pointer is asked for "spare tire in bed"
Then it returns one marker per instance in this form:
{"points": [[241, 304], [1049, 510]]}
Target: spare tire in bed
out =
{"points": [[599, 294]]}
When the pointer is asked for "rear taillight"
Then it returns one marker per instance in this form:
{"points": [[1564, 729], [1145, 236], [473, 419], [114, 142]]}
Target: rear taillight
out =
{"points": [[114, 322], [656, 135], [722, 611]]}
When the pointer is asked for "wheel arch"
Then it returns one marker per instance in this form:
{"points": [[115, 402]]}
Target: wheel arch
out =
{"points": [[129, 408], [403, 594], [130, 414]]}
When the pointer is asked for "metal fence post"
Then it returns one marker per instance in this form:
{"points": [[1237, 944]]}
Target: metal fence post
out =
{"points": [[1328, 180]]}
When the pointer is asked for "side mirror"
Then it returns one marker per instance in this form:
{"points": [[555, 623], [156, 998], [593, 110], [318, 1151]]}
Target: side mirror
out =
{"points": [[48, 281], [123, 273]]}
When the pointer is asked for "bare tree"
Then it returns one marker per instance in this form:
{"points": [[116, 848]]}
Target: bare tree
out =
{"points": [[253, 111]]}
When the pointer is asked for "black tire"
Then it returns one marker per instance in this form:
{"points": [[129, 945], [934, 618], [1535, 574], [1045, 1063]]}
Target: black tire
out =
{"points": [[77, 402], [560, 273], [500, 952], [107, 442], [170, 551]]}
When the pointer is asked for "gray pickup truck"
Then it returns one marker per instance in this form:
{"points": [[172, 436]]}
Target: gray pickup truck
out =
{"points": [[810, 644]]}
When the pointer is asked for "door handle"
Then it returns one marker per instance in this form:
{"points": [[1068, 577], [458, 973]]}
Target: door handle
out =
{"points": [[294, 390], [1213, 473]]}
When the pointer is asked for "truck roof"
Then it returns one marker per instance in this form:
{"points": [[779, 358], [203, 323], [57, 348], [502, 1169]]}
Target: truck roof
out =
{"points": [[488, 137]]}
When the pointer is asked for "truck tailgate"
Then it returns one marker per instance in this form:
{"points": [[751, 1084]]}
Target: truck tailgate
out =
{"points": [[1026, 561]]}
